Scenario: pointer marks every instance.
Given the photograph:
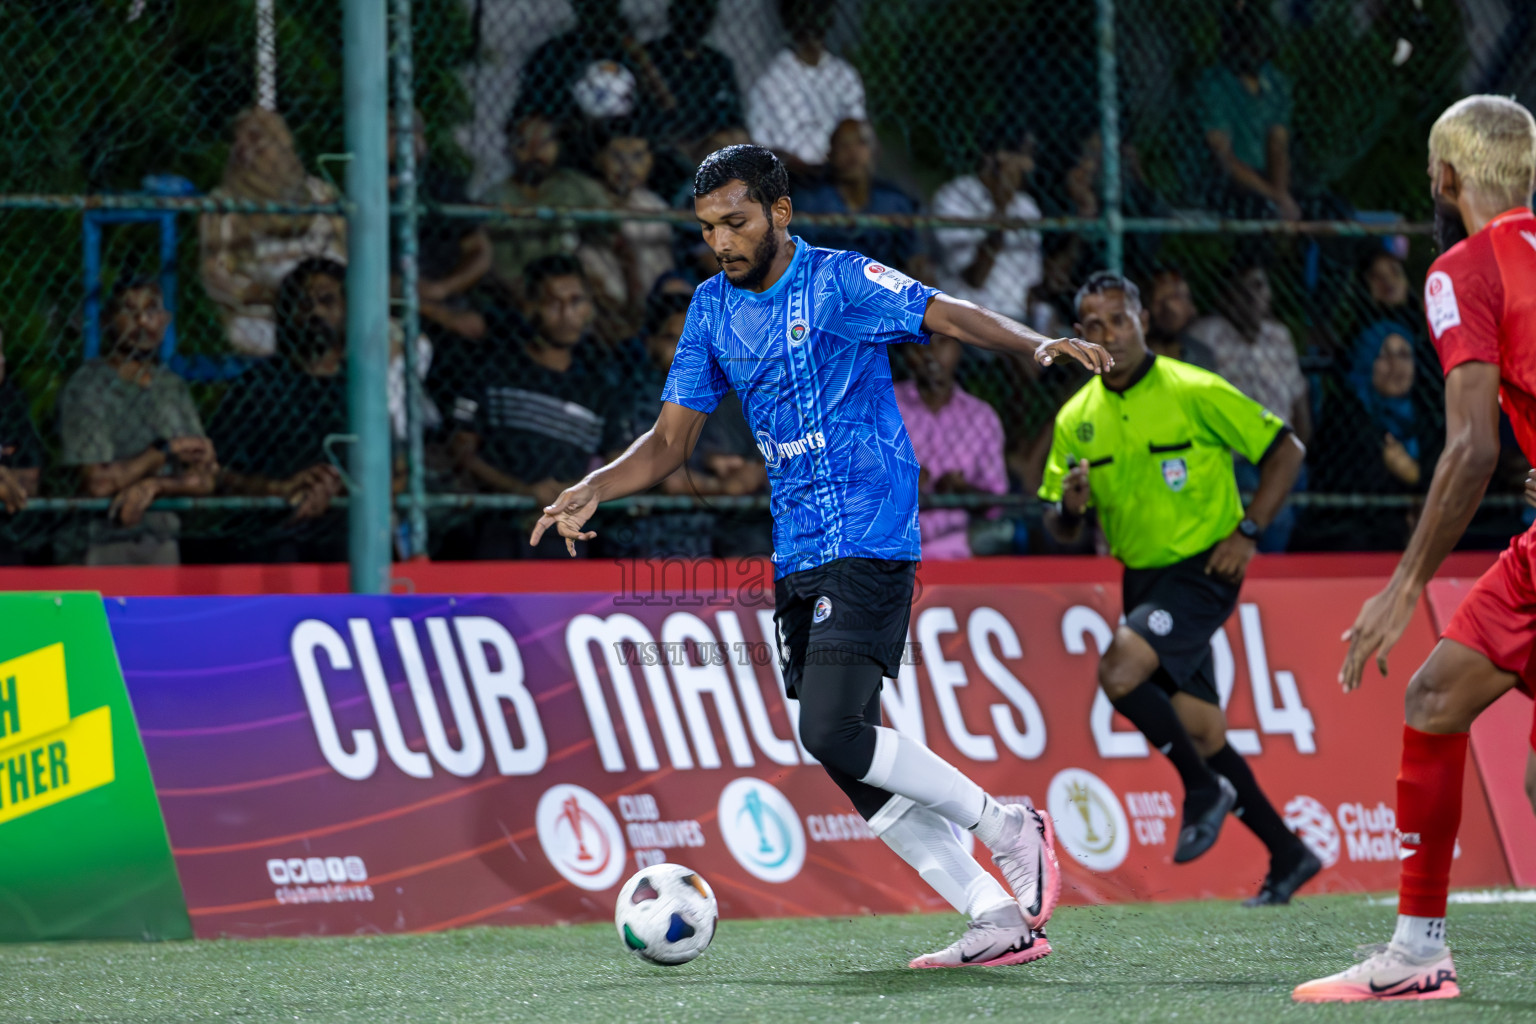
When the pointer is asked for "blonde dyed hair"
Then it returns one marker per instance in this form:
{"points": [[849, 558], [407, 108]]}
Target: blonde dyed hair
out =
{"points": [[1491, 141]]}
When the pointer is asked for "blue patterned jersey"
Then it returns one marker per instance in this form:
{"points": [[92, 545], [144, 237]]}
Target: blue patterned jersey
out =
{"points": [[807, 359]]}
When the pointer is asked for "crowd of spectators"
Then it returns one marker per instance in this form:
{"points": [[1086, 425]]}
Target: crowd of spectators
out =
{"points": [[544, 342]]}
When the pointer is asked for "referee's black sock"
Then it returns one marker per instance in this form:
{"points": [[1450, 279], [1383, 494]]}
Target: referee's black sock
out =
{"points": [[1150, 710], [1253, 807]]}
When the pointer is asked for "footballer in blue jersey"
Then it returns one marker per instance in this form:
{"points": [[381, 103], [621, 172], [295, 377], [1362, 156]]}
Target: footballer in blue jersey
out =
{"points": [[799, 333]]}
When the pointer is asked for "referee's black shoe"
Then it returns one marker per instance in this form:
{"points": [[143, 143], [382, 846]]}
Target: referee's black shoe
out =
{"points": [[1202, 822], [1285, 878]]}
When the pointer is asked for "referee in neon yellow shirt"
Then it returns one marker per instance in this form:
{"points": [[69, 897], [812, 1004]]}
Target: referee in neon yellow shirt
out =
{"points": [[1149, 445]]}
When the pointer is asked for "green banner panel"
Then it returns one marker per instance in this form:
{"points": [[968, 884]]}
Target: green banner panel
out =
{"points": [[83, 848]]}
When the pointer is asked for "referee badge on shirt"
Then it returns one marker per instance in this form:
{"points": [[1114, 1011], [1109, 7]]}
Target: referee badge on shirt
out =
{"points": [[798, 332], [823, 610], [1175, 474]]}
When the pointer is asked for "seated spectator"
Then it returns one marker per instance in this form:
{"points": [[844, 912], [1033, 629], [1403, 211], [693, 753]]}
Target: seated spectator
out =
{"points": [[1383, 437], [701, 96], [805, 92], [453, 254], [595, 70], [1386, 296], [851, 187], [130, 426], [993, 268], [1257, 355], [725, 459], [623, 266], [245, 256], [1170, 312], [537, 179], [958, 440], [21, 450], [1244, 106], [271, 427], [538, 417]]}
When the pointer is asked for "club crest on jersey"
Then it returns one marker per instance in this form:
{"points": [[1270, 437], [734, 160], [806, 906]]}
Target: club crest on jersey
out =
{"points": [[823, 610], [1175, 474], [1085, 432], [798, 332], [886, 277]]}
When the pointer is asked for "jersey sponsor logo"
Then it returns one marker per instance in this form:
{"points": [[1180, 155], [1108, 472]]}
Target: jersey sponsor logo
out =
{"points": [[1085, 432], [1090, 822], [1160, 622], [823, 610], [1440, 306], [886, 277], [761, 829], [580, 837], [777, 452], [798, 331], [1175, 474]]}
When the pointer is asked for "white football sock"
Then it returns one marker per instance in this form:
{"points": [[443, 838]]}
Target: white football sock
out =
{"points": [[907, 768], [1424, 937], [924, 840]]}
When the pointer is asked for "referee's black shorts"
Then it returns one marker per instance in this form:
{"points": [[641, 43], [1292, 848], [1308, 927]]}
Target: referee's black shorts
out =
{"points": [[1176, 609], [854, 609]]}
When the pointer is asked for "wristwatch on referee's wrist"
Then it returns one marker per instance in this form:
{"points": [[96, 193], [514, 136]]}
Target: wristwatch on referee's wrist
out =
{"points": [[1250, 529]]}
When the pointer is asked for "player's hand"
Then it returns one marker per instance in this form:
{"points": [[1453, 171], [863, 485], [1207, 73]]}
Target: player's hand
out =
{"points": [[1094, 357], [1074, 489], [132, 501], [1530, 488], [1377, 629], [13, 496], [1229, 559], [568, 513]]}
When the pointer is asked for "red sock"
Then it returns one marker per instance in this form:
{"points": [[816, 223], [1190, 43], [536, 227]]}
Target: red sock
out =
{"points": [[1428, 815]]}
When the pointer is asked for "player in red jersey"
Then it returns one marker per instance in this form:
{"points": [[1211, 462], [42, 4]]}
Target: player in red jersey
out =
{"points": [[1480, 300]]}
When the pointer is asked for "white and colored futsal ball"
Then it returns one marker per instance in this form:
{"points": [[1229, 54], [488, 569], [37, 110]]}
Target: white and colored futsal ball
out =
{"points": [[666, 914]]}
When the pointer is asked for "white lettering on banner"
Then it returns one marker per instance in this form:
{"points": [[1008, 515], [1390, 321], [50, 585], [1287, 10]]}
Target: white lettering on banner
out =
{"points": [[750, 693], [308, 637], [944, 676], [1080, 621], [693, 682], [581, 633], [1291, 716], [1244, 741], [767, 628], [1370, 833], [475, 633], [984, 624], [1150, 814], [837, 828]]}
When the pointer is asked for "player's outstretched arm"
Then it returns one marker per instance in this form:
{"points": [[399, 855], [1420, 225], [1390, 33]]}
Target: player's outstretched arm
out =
{"points": [[979, 326], [1461, 476], [654, 456]]}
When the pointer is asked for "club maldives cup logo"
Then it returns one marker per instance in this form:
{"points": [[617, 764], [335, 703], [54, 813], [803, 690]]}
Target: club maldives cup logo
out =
{"points": [[580, 836], [762, 830]]}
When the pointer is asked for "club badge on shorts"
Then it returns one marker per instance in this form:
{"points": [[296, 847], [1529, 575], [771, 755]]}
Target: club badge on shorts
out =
{"points": [[823, 610], [1175, 474]]}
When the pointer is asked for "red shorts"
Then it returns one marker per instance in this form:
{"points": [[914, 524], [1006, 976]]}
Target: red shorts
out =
{"points": [[1498, 617]]}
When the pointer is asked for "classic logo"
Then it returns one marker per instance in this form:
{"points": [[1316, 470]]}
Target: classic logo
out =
{"points": [[1175, 474], [823, 610], [798, 331], [580, 837], [1085, 432], [761, 829], [1311, 821], [1090, 822], [47, 757]]}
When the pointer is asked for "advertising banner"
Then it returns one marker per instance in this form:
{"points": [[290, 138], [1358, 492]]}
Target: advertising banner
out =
{"points": [[83, 851], [344, 764]]}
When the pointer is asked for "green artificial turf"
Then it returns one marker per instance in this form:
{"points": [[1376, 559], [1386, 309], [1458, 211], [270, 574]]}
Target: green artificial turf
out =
{"points": [[1189, 962]]}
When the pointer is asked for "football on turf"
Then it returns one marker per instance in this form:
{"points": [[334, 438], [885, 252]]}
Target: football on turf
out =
{"points": [[666, 914]]}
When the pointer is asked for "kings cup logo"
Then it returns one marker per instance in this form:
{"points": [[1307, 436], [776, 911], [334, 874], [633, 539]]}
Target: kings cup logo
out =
{"points": [[1175, 474], [580, 836], [1090, 822]]}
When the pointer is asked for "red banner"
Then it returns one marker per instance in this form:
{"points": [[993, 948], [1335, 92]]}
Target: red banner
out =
{"points": [[335, 764]]}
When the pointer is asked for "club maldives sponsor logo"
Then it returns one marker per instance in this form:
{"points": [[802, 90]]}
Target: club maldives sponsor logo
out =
{"points": [[762, 830], [649, 835], [1312, 823], [1090, 822], [1354, 830], [580, 837], [319, 880]]}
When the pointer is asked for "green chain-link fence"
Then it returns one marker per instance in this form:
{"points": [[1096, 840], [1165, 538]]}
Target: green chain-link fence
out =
{"points": [[1256, 167]]}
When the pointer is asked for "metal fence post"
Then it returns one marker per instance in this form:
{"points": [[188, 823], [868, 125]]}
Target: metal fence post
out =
{"points": [[1109, 137], [410, 310], [367, 113]]}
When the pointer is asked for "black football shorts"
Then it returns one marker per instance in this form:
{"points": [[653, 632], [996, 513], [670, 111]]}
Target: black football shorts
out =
{"points": [[1177, 609], [850, 608]]}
